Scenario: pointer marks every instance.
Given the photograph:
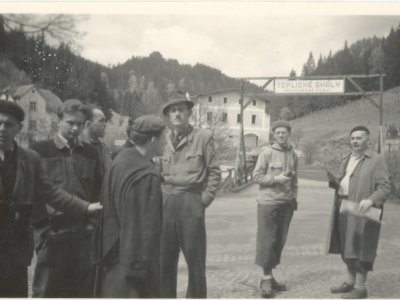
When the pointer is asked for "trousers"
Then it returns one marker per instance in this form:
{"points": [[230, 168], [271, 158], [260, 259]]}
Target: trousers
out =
{"points": [[14, 282], [272, 229], [184, 229], [63, 267]]}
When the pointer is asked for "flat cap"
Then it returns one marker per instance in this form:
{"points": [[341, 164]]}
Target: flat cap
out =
{"points": [[177, 98], [281, 123], [148, 124], [12, 108]]}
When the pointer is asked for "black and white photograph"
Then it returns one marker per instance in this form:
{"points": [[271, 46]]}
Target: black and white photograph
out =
{"points": [[200, 149]]}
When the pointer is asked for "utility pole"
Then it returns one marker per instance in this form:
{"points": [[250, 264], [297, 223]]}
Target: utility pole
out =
{"points": [[242, 145], [380, 149]]}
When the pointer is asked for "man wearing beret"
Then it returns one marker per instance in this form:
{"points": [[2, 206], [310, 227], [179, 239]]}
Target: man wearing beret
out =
{"points": [[363, 179], [63, 267], [276, 174], [191, 179], [24, 190], [132, 223]]}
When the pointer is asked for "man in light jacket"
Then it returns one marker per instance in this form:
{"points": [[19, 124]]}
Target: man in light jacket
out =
{"points": [[276, 174]]}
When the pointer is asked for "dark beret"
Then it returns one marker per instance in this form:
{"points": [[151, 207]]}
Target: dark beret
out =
{"points": [[177, 98], [148, 125], [281, 123], [12, 108], [360, 128]]}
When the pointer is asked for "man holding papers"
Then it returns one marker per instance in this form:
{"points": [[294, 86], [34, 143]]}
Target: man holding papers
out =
{"points": [[364, 181]]}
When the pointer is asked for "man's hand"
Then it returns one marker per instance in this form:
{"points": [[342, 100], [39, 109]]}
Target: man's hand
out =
{"points": [[365, 205], [281, 178], [94, 207]]}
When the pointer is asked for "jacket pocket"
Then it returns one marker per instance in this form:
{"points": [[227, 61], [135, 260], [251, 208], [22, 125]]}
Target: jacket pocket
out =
{"points": [[276, 168], [54, 169], [85, 168], [194, 162]]}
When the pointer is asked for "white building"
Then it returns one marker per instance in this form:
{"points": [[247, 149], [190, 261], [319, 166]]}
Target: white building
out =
{"points": [[40, 107], [221, 110]]}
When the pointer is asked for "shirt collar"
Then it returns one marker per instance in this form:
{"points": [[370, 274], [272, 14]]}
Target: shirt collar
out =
{"points": [[61, 142]]}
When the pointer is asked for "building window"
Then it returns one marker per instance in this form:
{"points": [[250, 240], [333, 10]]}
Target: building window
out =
{"points": [[209, 116], [224, 117], [253, 119], [32, 106], [225, 99], [32, 124], [254, 102], [238, 118], [209, 99]]}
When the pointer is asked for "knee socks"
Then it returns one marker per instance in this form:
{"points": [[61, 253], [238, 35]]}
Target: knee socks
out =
{"points": [[351, 276], [361, 279]]}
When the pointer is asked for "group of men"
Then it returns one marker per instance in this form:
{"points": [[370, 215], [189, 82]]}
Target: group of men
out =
{"points": [[115, 227]]}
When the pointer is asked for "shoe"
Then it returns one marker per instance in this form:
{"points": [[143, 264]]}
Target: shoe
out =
{"points": [[343, 288], [278, 286], [356, 294], [266, 288]]}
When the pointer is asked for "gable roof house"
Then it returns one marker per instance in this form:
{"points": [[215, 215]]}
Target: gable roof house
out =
{"points": [[221, 109], [40, 107]]}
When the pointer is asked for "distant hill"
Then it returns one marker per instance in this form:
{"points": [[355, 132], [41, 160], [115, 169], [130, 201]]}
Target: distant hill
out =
{"points": [[142, 84]]}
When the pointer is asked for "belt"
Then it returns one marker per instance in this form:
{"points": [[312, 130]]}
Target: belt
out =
{"points": [[343, 196]]}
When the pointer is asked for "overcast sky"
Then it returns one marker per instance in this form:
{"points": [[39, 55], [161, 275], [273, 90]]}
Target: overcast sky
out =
{"points": [[247, 45]]}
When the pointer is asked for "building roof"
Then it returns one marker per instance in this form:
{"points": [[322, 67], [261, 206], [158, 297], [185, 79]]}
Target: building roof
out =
{"points": [[235, 90], [53, 102]]}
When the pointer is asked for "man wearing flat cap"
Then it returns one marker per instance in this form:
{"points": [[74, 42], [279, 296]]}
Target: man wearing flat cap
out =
{"points": [[191, 179], [131, 227], [364, 180], [24, 190], [276, 174], [63, 267]]}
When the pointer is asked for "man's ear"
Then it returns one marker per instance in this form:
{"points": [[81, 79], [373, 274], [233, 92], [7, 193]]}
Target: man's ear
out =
{"points": [[87, 123], [21, 125]]}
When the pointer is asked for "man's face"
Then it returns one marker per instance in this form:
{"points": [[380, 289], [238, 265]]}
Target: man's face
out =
{"points": [[179, 115], [97, 126], [9, 128], [71, 125], [359, 141], [281, 135]]}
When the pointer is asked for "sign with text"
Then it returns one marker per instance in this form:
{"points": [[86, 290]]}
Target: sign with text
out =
{"points": [[328, 86]]}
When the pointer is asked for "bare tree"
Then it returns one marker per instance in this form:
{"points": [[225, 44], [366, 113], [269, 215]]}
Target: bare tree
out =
{"points": [[296, 136], [310, 152], [54, 27]]}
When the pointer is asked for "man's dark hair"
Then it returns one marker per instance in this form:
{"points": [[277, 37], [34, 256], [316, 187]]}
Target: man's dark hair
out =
{"points": [[360, 128], [73, 106], [91, 107]]}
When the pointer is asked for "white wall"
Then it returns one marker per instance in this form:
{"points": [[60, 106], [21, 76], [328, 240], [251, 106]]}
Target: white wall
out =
{"points": [[232, 108]]}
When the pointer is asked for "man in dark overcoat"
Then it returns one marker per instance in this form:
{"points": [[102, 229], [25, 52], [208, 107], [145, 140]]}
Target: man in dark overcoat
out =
{"points": [[131, 226], [363, 179], [24, 190]]}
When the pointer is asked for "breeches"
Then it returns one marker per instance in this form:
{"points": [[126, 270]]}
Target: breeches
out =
{"points": [[272, 229]]}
